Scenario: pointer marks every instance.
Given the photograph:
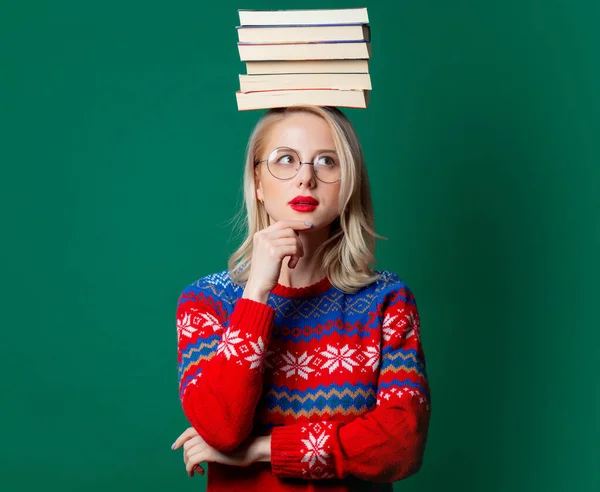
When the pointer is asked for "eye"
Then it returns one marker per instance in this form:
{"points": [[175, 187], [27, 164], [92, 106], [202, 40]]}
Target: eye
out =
{"points": [[286, 159], [326, 161]]}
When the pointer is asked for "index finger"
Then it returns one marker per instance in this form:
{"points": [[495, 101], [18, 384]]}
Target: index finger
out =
{"points": [[293, 224], [189, 432]]}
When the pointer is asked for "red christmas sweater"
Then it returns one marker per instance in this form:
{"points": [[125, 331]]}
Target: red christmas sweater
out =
{"points": [[338, 380]]}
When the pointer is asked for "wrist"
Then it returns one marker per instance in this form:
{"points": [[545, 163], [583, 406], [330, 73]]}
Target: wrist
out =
{"points": [[256, 294], [261, 449]]}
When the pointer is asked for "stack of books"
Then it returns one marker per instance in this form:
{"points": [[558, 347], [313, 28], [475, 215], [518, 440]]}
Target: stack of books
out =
{"points": [[295, 57]]}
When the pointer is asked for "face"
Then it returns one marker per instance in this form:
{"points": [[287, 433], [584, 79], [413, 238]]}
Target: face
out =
{"points": [[308, 135]]}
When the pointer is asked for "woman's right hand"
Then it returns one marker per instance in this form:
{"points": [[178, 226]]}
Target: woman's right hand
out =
{"points": [[270, 246]]}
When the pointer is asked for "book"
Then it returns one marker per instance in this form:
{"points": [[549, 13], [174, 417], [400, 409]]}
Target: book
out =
{"points": [[303, 34], [305, 51], [303, 17], [316, 97], [348, 81], [307, 66]]}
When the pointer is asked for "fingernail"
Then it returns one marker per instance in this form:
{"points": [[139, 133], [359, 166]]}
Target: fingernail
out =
{"points": [[173, 446], [308, 223]]}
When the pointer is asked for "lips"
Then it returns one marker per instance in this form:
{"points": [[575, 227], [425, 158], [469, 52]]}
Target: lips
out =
{"points": [[304, 200]]}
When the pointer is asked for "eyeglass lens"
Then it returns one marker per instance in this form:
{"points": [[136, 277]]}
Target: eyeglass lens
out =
{"points": [[284, 163]]}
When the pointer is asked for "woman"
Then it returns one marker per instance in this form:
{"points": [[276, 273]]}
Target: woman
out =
{"points": [[300, 367]]}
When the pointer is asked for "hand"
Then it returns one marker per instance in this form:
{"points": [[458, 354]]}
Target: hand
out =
{"points": [[196, 451], [270, 246]]}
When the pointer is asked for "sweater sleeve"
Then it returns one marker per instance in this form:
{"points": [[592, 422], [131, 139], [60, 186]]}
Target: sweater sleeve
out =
{"points": [[220, 364], [385, 444]]}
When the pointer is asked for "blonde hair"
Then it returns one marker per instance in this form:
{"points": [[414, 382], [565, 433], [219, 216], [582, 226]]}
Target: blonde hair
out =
{"points": [[349, 251]]}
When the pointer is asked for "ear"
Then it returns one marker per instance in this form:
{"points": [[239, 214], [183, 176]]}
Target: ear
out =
{"points": [[258, 184]]}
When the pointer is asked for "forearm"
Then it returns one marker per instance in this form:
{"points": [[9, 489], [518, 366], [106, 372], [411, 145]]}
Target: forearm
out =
{"points": [[384, 445], [221, 376], [261, 449]]}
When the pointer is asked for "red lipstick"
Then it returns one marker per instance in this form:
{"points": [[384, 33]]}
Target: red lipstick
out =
{"points": [[304, 203]]}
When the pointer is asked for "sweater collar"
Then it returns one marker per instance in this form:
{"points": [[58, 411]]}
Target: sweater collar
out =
{"points": [[302, 292]]}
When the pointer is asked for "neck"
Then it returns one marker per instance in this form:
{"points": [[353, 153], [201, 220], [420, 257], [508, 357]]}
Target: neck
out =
{"points": [[308, 271]]}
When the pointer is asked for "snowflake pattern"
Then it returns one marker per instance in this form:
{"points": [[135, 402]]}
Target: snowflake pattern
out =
{"points": [[297, 365], [372, 354], [184, 326], [192, 322], [389, 326], [316, 451], [259, 353], [228, 342], [412, 326], [339, 357]]}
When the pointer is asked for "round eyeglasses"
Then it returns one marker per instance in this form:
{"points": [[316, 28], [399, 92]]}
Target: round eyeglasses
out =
{"points": [[284, 163]]}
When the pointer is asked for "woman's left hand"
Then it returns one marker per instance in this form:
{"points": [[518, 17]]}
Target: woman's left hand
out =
{"points": [[196, 451]]}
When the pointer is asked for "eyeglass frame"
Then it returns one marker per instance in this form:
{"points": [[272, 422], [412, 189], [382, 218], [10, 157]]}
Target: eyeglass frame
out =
{"points": [[299, 167]]}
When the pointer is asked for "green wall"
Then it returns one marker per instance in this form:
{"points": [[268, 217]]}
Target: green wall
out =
{"points": [[121, 150]]}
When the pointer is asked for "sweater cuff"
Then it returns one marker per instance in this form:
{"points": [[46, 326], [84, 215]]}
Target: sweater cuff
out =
{"points": [[254, 317], [303, 451]]}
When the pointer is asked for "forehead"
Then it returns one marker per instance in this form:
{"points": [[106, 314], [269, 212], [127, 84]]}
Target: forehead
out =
{"points": [[302, 131]]}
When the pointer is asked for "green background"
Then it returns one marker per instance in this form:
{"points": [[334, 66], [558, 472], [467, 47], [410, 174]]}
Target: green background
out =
{"points": [[121, 155]]}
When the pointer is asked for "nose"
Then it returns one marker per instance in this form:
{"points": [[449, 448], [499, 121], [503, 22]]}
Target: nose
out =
{"points": [[306, 175]]}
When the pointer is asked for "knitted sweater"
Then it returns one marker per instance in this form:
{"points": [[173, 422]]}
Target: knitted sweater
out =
{"points": [[338, 380]]}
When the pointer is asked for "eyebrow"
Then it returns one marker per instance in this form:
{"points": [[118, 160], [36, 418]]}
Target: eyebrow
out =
{"points": [[319, 151]]}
